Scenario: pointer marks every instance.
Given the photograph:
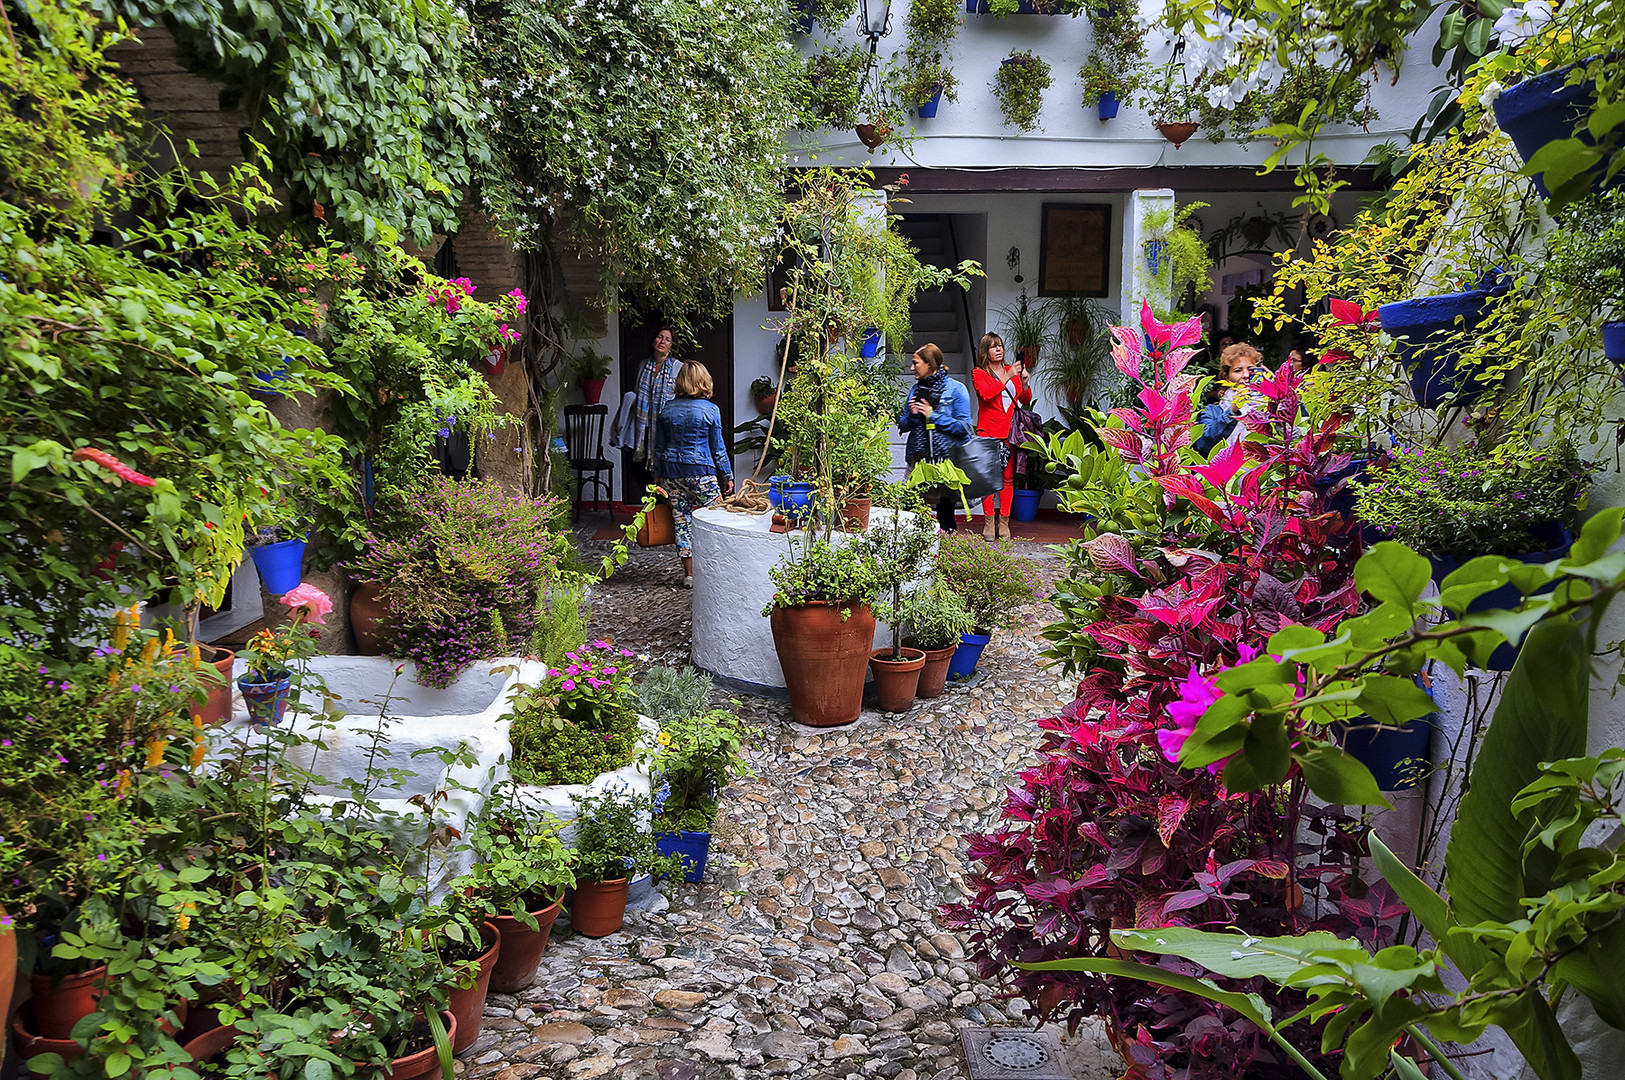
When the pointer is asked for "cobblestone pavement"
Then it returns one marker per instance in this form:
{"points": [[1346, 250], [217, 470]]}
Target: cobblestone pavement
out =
{"points": [[811, 949]]}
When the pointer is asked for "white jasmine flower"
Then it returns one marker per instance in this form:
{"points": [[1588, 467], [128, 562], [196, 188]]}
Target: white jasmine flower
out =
{"points": [[1518, 24]]}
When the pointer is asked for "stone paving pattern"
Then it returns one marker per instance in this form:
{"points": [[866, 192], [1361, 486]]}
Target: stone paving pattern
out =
{"points": [[811, 949]]}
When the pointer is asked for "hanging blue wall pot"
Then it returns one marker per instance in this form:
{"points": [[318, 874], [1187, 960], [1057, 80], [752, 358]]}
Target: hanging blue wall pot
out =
{"points": [[1107, 106]]}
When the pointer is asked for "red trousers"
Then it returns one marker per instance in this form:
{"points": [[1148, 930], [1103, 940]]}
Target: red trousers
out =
{"points": [[1003, 498]]}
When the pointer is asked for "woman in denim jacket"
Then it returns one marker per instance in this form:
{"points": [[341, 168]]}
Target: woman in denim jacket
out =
{"points": [[690, 455], [936, 418]]}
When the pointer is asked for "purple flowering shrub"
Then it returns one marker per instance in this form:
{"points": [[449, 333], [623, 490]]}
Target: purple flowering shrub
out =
{"points": [[579, 721], [462, 574], [1107, 830]]}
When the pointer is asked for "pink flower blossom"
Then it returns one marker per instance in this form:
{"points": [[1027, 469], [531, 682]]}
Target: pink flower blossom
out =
{"points": [[572, 670], [569, 684], [312, 599], [600, 644], [609, 671], [1195, 695]]}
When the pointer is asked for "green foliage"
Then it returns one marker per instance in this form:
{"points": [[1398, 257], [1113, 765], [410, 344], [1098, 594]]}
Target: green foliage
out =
{"points": [[1186, 264], [915, 76], [1076, 366], [590, 364], [521, 865], [1463, 502], [548, 749], [834, 94], [687, 214], [1587, 254], [1019, 86], [932, 24], [1026, 325], [936, 616], [138, 352], [901, 544], [993, 579], [561, 621], [823, 572], [669, 693], [700, 752], [613, 839], [1116, 56], [362, 111]]}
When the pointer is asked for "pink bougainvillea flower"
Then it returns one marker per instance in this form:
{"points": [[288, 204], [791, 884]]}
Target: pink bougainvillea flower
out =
{"points": [[1345, 313], [1196, 693], [312, 599]]}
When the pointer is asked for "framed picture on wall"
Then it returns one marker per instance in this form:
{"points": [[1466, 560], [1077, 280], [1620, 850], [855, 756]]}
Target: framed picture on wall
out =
{"points": [[1074, 252]]}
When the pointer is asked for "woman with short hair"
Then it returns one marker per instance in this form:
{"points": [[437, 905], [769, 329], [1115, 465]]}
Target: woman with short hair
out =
{"points": [[936, 418], [690, 455]]}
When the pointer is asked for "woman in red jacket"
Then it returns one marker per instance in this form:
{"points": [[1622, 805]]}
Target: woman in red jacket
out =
{"points": [[1000, 387]]}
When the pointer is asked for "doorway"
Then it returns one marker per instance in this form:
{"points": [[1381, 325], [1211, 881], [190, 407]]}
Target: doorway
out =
{"points": [[713, 347]]}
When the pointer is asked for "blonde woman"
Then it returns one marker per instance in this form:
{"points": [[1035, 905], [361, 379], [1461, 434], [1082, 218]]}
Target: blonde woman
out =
{"points": [[1239, 368], [690, 455], [1000, 387]]}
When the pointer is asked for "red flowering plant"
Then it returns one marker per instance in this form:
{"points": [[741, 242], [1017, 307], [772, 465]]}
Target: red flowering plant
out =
{"points": [[1105, 831]]}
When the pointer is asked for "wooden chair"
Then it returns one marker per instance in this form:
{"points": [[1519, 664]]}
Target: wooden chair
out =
{"points": [[584, 445]]}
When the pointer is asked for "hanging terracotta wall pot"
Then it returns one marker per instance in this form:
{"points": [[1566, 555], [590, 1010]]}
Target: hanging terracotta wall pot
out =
{"points": [[872, 135], [824, 658], [1177, 133]]}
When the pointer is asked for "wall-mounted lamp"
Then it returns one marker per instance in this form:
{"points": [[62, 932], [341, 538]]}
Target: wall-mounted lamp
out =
{"points": [[876, 15]]}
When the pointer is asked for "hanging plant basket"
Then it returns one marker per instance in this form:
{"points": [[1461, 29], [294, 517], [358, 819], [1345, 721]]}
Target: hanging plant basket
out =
{"points": [[872, 135], [1178, 133], [1428, 332], [1545, 109], [927, 109]]}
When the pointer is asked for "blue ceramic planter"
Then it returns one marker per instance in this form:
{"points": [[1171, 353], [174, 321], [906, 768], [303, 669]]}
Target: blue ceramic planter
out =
{"points": [[926, 109], [963, 665], [280, 565], [1428, 332], [1507, 596], [266, 701], [1544, 109], [796, 501], [803, 22], [694, 848], [1613, 341], [775, 491], [872, 340], [1107, 106], [1024, 505]]}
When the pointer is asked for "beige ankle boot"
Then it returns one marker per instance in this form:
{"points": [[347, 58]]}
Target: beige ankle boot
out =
{"points": [[990, 525], [1001, 530]]}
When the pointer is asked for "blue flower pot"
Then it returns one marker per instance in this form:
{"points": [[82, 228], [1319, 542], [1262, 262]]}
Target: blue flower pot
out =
{"points": [[266, 701], [872, 340], [693, 847], [267, 380], [1544, 109], [1023, 7], [1385, 752], [1024, 505], [1613, 342], [926, 109], [1428, 332], [963, 665], [280, 565], [797, 501], [775, 491], [1107, 106], [1507, 596]]}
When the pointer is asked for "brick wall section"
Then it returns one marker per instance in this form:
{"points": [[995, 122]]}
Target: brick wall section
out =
{"points": [[188, 104]]}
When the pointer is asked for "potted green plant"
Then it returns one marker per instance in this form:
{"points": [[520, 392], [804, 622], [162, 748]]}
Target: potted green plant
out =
{"points": [[932, 24], [994, 581], [517, 882], [591, 370], [763, 394], [1026, 328], [1586, 255], [823, 627], [700, 752], [577, 723], [1080, 351], [1172, 103], [1019, 86], [1111, 73], [612, 844], [1455, 504], [922, 79], [901, 547], [936, 617], [272, 654]]}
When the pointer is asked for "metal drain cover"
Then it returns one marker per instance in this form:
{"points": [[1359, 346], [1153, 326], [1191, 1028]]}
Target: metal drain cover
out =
{"points": [[1012, 1054]]}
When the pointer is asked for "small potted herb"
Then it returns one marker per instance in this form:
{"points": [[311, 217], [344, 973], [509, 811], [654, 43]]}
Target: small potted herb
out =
{"points": [[612, 843], [1019, 86], [937, 618], [271, 654], [995, 583], [764, 394], [699, 754]]}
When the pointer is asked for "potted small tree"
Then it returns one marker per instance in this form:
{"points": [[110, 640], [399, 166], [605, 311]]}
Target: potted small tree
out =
{"points": [[1586, 257], [1019, 85], [900, 547]]}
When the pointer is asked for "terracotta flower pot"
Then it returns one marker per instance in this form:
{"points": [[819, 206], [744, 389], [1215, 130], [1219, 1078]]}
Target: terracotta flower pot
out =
{"points": [[211, 1042], [823, 658], [423, 1064], [467, 1004], [599, 907], [592, 389], [765, 403], [872, 135], [522, 949], [1029, 357], [895, 682], [29, 1045], [367, 613], [216, 708], [855, 514], [934, 675], [57, 1008]]}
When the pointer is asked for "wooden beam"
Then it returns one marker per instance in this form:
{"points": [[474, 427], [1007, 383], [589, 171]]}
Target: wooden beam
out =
{"points": [[1061, 181]]}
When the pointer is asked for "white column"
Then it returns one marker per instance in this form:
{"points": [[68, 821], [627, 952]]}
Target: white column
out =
{"points": [[1137, 284]]}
